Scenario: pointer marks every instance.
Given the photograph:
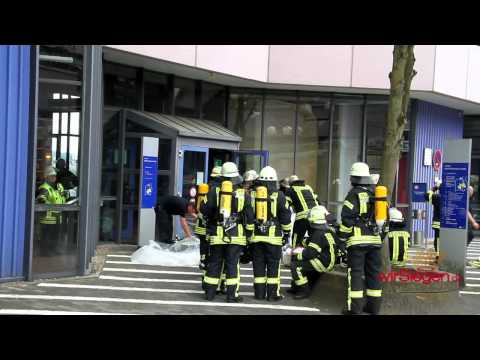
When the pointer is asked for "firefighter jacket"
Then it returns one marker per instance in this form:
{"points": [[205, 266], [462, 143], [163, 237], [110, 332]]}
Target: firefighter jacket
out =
{"points": [[434, 198], [320, 250], [358, 226], [278, 217], [301, 198], [50, 195], [398, 239], [241, 214], [200, 225]]}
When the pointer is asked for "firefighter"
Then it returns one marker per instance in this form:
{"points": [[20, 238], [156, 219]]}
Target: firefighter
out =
{"points": [[360, 235], [200, 227], [284, 186], [398, 237], [271, 230], [51, 193], [227, 211], [249, 180], [433, 197], [317, 257], [301, 198]]}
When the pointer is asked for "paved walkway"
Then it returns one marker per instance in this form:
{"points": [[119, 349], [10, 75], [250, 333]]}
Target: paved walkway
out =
{"points": [[472, 275], [126, 288]]}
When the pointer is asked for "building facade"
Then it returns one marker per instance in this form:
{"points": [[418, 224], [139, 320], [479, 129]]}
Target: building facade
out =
{"points": [[308, 110]]}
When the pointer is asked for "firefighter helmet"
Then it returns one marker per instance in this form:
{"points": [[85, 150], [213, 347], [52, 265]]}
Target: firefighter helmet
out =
{"points": [[318, 215], [293, 178], [250, 175], [50, 171], [216, 172], [230, 170], [395, 215], [360, 169], [268, 174]]}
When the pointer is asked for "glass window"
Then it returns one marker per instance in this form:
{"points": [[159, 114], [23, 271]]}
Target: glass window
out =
{"points": [[185, 96], [279, 132], [245, 118], [311, 157], [376, 115], [66, 63], [164, 153], [120, 86], [213, 103], [157, 93], [346, 147]]}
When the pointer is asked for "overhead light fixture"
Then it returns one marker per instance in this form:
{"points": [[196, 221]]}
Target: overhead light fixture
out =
{"points": [[58, 59]]}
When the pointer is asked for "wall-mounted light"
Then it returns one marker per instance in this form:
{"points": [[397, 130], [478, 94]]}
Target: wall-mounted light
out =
{"points": [[58, 59]]}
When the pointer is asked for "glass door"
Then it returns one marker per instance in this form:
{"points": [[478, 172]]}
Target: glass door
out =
{"points": [[251, 160], [58, 156], [193, 171]]}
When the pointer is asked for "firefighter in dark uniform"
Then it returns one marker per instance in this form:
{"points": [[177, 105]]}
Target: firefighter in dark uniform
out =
{"points": [[433, 197], [362, 240], [398, 237], [249, 179], [200, 227], [271, 231], [226, 210], [317, 257], [301, 198]]}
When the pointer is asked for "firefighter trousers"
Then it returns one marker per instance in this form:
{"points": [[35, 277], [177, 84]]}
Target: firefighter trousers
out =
{"points": [[298, 233], [436, 231], [227, 256], [204, 247], [304, 273], [364, 261], [266, 270]]}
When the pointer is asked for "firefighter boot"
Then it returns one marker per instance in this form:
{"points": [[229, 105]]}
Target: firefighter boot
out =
{"points": [[210, 292], [260, 291], [303, 292], [231, 294], [273, 293], [293, 288]]}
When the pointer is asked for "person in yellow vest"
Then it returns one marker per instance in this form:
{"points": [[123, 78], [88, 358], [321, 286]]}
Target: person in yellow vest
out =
{"points": [[50, 193], [398, 237]]}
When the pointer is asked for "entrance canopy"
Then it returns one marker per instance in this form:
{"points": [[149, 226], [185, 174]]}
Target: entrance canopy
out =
{"points": [[177, 126]]}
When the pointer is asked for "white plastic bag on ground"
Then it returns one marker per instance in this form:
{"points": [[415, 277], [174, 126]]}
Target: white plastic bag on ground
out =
{"points": [[185, 252]]}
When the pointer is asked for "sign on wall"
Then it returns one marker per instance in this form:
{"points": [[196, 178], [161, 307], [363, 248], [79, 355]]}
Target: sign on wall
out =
{"points": [[149, 183], [437, 160], [418, 192], [454, 193]]}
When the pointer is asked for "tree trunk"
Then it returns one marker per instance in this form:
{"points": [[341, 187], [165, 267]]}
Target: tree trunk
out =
{"points": [[400, 81]]}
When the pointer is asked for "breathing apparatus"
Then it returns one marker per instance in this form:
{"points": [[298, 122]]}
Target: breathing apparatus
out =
{"points": [[201, 195], [226, 220], [261, 208]]}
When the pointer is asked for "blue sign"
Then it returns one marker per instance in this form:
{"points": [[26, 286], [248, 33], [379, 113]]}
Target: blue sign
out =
{"points": [[149, 183], [454, 193], [418, 192]]}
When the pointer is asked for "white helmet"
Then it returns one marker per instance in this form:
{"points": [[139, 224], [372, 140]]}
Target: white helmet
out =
{"points": [[438, 182], [318, 215], [395, 215], [375, 178], [250, 175], [229, 170], [268, 174], [360, 169], [50, 171], [216, 171], [293, 178]]}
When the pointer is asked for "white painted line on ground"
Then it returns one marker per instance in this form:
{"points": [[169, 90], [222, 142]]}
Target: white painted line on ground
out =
{"points": [[123, 278], [472, 278], [120, 256], [145, 271], [472, 285], [469, 292], [191, 267], [472, 272], [158, 302], [51, 312], [126, 288]]}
